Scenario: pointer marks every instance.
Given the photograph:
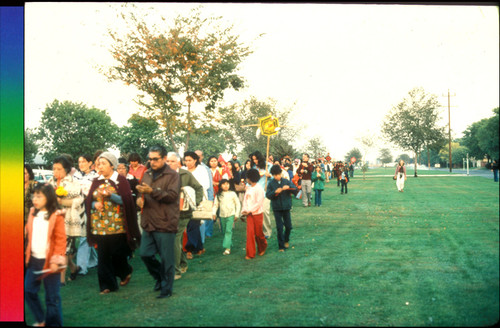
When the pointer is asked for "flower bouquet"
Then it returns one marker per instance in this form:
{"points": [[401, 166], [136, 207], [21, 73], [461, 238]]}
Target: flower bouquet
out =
{"points": [[61, 192]]}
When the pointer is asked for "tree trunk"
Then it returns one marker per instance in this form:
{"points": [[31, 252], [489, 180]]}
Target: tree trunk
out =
{"points": [[169, 132], [428, 158], [188, 135], [416, 161]]}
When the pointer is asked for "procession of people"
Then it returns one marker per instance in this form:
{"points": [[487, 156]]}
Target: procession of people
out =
{"points": [[110, 207]]}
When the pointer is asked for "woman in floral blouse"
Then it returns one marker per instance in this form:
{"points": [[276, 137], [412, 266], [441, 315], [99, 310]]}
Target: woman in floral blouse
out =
{"points": [[70, 199], [111, 224]]}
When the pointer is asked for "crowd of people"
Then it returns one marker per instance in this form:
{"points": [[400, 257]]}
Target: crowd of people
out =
{"points": [[98, 214]]}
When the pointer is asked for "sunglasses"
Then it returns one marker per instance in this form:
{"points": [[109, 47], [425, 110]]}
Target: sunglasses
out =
{"points": [[154, 159]]}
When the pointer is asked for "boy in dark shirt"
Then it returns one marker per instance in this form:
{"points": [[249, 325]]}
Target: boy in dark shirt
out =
{"points": [[279, 191]]}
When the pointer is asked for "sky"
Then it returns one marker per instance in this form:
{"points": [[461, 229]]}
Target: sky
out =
{"points": [[342, 67]]}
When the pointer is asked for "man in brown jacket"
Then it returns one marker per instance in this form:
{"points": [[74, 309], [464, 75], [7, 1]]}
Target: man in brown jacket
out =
{"points": [[159, 200], [305, 171]]}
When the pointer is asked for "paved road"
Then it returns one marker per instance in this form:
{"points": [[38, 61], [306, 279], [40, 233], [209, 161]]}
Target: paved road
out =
{"points": [[483, 173], [445, 172]]}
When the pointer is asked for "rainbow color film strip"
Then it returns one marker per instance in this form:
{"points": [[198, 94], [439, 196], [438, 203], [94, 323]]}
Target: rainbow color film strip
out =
{"points": [[11, 163]]}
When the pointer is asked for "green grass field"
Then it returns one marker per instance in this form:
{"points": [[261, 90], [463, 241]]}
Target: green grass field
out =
{"points": [[374, 257]]}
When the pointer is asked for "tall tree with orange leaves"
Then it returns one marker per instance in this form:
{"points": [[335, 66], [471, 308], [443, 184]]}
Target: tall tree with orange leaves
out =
{"points": [[194, 60]]}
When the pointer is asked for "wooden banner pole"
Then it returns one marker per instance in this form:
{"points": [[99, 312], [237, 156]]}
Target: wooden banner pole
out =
{"points": [[267, 156]]}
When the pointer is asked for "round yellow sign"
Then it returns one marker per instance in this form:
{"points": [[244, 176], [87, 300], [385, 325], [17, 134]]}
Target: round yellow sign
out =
{"points": [[269, 125]]}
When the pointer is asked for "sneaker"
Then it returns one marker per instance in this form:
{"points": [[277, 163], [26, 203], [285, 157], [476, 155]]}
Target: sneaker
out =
{"points": [[226, 252]]}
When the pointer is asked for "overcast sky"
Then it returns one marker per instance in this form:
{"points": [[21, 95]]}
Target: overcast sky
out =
{"points": [[343, 66]]}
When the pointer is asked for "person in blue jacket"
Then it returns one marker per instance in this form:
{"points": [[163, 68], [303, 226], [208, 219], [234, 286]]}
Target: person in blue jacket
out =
{"points": [[280, 191]]}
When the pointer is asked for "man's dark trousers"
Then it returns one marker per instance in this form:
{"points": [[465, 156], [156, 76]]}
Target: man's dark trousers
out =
{"points": [[164, 270]]}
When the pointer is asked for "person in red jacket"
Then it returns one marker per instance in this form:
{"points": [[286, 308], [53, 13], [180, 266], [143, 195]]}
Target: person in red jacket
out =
{"points": [[45, 255]]}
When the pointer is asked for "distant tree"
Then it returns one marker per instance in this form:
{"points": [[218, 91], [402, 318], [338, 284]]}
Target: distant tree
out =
{"points": [[434, 146], [431, 157], [481, 137], [412, 124], [385, 156], [30, 145], [471, 140], [139, 135], [195, 60], [315, 147], [211, 141], [364, 169], [458, 153], [246, 140], [75, 129], [488, 135], [367, 142], [355, 152], [404, 157]]}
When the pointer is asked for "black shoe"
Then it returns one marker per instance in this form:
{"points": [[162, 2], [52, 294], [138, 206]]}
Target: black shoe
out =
{"points": [[72, 276], [164, 295], [157, 285]]}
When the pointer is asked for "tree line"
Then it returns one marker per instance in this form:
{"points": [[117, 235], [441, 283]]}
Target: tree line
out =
{"points": [[181, 69]]}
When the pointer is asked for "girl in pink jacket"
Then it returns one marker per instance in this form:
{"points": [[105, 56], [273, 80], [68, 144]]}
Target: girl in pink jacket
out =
{"points": [[44, 256]]}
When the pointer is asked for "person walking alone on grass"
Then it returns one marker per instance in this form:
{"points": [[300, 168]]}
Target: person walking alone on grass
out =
{"points": [[494, 168], [279, 191], [228, 204], [46, 250], [159, 200], [344, 179], [305, 170], [318, 177], [400, 175], [253, 207]]}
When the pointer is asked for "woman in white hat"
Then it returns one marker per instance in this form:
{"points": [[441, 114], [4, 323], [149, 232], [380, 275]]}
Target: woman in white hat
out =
{"points": [[111, 224]]}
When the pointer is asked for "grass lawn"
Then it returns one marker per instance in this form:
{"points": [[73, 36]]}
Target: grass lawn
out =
{"points": [[374, 257]]}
